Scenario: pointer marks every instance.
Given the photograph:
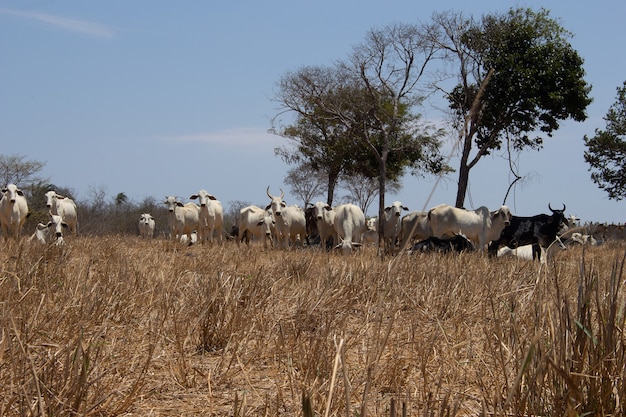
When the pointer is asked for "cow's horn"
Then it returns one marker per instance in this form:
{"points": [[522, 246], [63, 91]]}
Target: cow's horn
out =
{"points": [[552, 210], [268, 192], [282, 193]]}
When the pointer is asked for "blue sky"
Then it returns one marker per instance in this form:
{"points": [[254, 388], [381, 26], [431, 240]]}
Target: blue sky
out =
{"points": [[155, 98]]}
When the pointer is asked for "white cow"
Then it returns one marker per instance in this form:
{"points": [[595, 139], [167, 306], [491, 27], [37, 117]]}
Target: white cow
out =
{"points": [[146, 226], [480, 226], [189, 239], [349, 226], [526, 251], [370, 237], [50, 232], [573, 221], [415, 227], [290, 220], [325, 219], [582, 239], [182, 218], [392, 224], [13, 211], [64, 207], [257, 222], [211, 217]]}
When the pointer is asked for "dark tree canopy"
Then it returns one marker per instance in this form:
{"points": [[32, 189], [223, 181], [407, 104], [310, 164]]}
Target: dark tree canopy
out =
{"points": [[519, 77], [606, 150]]}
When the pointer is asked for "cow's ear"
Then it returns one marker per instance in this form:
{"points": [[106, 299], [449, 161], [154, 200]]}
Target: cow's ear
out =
{"points": [[64, 225], [19, 192], [193, 197], [405, 208], [268, 207], [179, 204], [260, 223], [212, 197], [283, 204], [49, 224]]}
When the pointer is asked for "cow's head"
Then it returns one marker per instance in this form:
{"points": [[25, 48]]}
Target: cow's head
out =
{"points": [[277, 203], [145, 218], [558, 217], [172, 203], [395, 209], [504, 214], [204, 197], [347, 245], [267, 222], [319, 208], [51, 198], [11, 192], [56, 225]]}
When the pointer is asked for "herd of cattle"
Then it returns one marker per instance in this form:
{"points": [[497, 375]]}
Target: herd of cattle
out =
{"points": [[443, 228]]}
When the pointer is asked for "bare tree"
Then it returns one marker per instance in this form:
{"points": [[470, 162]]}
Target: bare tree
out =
{"points": [[363, 190], [305, 183], [370, 100], [15, 169]]}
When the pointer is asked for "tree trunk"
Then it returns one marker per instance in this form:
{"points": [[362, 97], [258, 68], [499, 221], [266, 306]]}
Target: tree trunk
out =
{"points": [[462, 185], [381, 203], [332, 181], [464, 170]]}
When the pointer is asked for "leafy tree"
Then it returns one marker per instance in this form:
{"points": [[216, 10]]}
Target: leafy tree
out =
{"points": [[15, 169], [606, 150], [322, 143], [518, 77], [368, 100]]}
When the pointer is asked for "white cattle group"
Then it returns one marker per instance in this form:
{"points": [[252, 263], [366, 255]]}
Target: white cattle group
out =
{"points": [[257, 222], [51, 232], [183, 219], [64, 207], [343, 227], [480, 226], [290, 221]]}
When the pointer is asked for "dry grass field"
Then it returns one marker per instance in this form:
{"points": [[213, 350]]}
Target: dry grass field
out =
{"points": [[121, 326]]}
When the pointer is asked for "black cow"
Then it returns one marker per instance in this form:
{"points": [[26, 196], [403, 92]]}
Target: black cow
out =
{"points": [[458, 243], [312, 234], [540, 231]]}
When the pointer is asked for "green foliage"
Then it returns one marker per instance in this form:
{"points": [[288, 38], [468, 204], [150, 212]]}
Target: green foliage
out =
{"points": [[606, 150], [537, 81], [518, 79]]}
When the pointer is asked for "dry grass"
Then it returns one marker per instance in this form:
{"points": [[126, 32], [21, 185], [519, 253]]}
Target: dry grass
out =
{"points": [[120, 326]]}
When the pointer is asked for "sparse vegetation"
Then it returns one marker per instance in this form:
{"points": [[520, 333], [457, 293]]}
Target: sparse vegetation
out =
{"points": [[115, 325]]}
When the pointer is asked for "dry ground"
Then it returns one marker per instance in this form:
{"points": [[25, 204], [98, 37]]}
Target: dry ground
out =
{"points": [[121, 326]]}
